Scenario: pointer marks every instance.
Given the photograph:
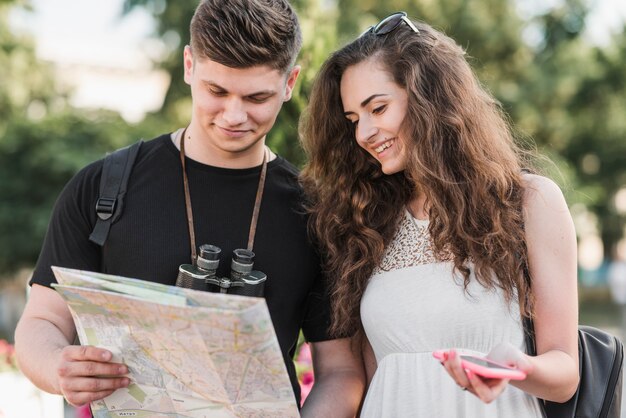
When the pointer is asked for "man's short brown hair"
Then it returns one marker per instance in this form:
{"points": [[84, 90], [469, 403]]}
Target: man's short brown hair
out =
{"points": [[246, 33]]}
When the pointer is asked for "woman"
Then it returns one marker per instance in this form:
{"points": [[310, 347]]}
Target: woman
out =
{"points": [[428, 222]]}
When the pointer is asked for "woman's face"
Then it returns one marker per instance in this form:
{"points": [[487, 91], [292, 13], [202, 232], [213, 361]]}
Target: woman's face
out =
{"points": [[376, 106]]}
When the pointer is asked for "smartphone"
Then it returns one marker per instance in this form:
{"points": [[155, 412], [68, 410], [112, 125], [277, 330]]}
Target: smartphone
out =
{"points": [[485, 367]]}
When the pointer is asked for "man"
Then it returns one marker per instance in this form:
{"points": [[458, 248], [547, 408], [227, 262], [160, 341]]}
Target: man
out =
{"points": [[240, 67]]}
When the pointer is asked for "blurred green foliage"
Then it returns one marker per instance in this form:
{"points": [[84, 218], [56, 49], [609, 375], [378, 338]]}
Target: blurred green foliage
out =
{"points": [[564, 94]]}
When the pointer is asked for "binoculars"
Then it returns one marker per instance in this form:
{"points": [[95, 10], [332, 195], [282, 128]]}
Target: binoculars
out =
{"points": [[203, 276]]}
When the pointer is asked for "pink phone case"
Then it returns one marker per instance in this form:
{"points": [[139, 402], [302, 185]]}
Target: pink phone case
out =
{"points": [[485, 367]]}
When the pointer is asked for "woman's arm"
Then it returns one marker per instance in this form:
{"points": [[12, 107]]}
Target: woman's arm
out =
{"points": [[551, 241], [339, 380], [369, 361]]}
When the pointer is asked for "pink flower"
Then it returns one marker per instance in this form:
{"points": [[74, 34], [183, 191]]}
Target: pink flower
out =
{"points": [[308, 378]]}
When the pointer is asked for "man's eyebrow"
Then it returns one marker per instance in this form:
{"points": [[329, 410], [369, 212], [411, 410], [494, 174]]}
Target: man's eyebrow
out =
{"points": [[366, 102], [210, 83], [213, 84], [268, 93]]}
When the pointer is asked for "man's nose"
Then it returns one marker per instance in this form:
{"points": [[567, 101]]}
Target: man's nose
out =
{"points": [[234, 112]]}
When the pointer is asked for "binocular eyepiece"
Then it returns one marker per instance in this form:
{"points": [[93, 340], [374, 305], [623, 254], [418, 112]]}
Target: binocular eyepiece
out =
{"points": [[203, 276]]}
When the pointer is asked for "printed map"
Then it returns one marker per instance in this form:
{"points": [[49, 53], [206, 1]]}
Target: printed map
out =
{"points": [[189, 353]]}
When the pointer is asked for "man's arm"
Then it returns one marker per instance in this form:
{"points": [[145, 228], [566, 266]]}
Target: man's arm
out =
{"points": [[339, 380], [45, 354]]}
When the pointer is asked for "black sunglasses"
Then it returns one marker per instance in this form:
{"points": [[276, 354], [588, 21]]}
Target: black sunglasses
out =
{"points": [[391, 23]]}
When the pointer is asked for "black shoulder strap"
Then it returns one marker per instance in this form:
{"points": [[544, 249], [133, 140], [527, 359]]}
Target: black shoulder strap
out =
{"points": [[529, 326], [115, 173]]}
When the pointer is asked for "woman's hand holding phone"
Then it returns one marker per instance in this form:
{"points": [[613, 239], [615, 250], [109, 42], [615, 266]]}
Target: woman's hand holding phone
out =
{"points": [[485, 378], [485, 367]]}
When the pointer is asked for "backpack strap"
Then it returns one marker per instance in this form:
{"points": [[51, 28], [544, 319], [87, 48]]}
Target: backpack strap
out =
{"points": [[115, 173]]}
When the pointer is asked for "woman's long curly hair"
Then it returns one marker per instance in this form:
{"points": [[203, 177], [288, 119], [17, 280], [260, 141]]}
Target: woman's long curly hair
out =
{"points": [[461, 157]]}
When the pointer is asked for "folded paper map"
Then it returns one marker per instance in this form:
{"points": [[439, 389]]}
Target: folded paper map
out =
{"points": [[189, 353]]}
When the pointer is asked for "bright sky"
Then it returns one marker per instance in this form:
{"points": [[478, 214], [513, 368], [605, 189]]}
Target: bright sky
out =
{"points": [[608, 16], [89, 32]]}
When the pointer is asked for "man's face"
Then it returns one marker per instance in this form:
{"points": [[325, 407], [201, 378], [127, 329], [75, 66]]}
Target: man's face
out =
{"points": [[234, 108]]}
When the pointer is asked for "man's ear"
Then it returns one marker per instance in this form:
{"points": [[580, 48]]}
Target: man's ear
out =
{"points": [[188, 64], [291, 81]]}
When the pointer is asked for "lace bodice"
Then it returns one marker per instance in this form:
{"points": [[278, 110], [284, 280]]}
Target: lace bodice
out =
{"points": [[410, 247]]}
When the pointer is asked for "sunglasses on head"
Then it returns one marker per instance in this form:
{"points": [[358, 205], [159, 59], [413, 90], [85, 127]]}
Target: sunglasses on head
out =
{"points": [[391, 23]]}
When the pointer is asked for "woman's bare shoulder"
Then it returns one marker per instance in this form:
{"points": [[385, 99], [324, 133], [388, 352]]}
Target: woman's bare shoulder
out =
{"points": [[542, 194]]}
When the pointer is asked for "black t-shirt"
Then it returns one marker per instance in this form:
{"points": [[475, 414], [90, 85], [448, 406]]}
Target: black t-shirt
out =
{"points": [[151, 239]]}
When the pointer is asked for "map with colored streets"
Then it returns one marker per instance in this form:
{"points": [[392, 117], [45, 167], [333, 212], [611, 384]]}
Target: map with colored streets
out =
{"points": [[189, 353]]}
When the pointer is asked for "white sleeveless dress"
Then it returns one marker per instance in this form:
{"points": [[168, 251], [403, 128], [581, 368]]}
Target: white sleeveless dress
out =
{"points": [[415, 304]]}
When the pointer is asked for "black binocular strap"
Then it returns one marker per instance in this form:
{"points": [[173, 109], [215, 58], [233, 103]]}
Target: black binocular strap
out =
{"points": [[115, 173], [257, 202]]}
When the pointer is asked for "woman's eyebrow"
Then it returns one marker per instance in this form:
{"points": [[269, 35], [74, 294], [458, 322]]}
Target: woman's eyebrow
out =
{"points": [[366, 102]]}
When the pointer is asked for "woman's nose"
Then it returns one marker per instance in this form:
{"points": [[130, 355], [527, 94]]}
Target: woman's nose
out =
{"points": [[365, 130]]}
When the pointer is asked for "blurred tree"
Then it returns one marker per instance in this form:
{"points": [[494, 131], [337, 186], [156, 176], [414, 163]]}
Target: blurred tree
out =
{"points": [[36, 160], [574, 101], [597, 136], [43, 142], [319, 32]]}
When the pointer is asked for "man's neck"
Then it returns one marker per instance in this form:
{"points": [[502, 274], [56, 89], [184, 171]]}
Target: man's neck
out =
{"points": [[204, 151]]}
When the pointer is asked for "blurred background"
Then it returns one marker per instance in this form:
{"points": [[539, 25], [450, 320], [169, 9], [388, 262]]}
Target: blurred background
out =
{"points": [[78, 79]]}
